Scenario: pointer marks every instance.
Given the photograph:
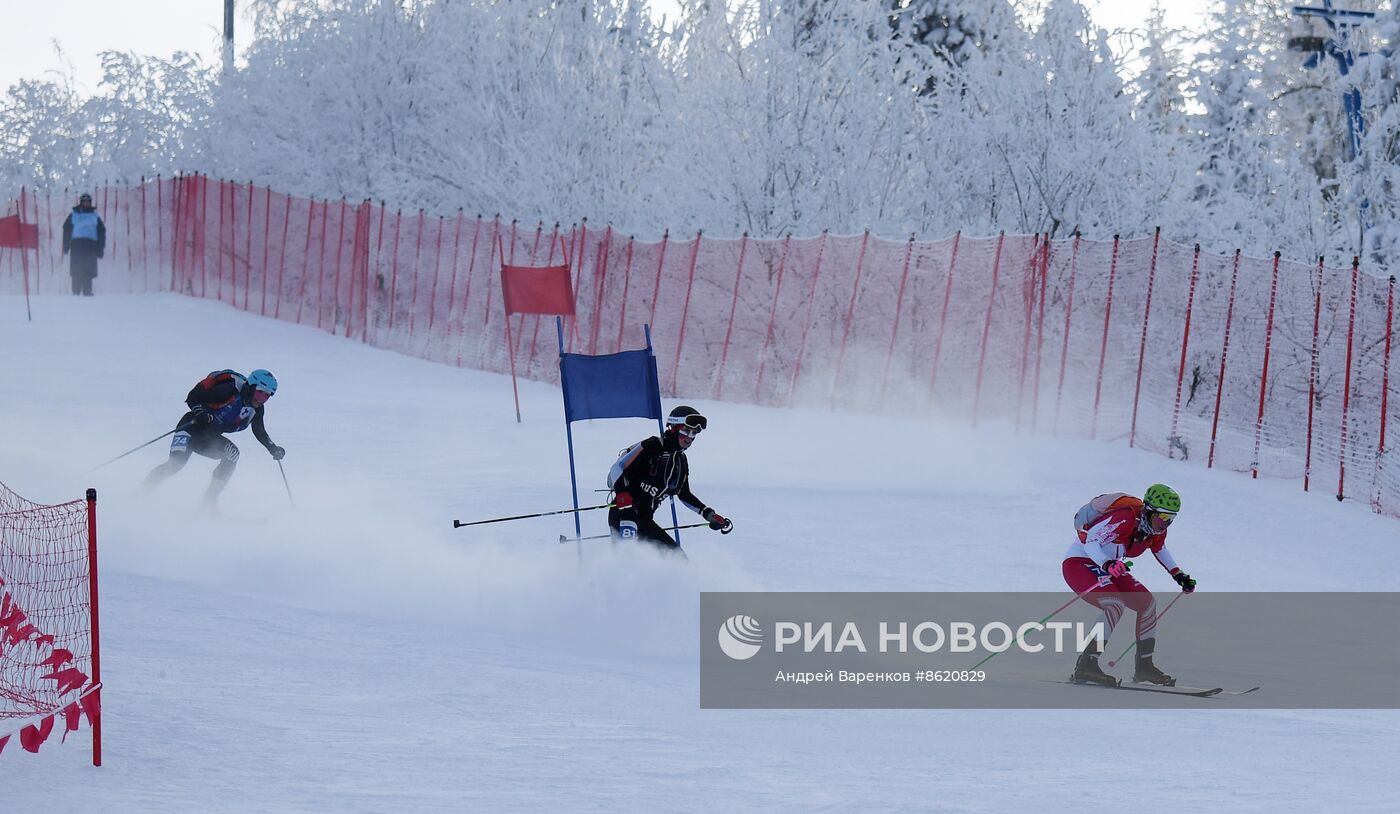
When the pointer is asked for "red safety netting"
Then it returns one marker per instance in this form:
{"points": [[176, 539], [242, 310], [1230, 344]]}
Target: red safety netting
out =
{"points": [[47, 619], [1270, 367]]}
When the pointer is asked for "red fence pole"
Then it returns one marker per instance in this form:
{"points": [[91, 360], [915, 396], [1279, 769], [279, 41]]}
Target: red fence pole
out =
{"points": [[661, 261], [305, 258], [467, 293], [125, 207], [493, 243], [54, 262], [807, 323], [94, 619], [987, 326], [685, 310], [145, 251], [1103, 348], [1224, 354], [898, 309], [177, 219], [378, 266], [248, 251], [320, 266], [160, 224], [1040, 330], [437, 273], [772, 316], [1312, 377], [549, 261], [417, 273], [1346, 388], [1175, 438], [733, 309], [601, 273], [202, 233], [394, 268], [267, 238], [1064, 346], [943, 317], [219, 243], [626, 282], [24, 258], [575, 260], [850, 316], [1264, 375], [335, 286], [1142, 345], [1385, 390], [1029, 292], [281, 255], [38, 252], [456, 249]]}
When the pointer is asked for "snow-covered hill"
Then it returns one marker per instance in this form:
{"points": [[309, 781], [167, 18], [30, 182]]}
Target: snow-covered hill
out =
{"points": [[358, 654]]}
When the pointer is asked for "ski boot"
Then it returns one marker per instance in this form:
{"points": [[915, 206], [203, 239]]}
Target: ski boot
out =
{"points": [[1145, 671], [1087, 670]]}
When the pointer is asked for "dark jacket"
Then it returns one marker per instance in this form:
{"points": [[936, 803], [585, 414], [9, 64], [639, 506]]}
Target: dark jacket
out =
{"points": [[224, 395], [652, 469], [85, 239]]}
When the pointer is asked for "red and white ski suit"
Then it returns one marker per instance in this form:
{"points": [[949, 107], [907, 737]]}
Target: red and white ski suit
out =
{"points": [[1108, 529]]}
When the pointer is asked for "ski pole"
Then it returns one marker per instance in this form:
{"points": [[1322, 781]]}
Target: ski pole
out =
{"points": [[564, 538], [288, 485], [143, 446], [1159, 618], [456, 524], [1047, 618]]}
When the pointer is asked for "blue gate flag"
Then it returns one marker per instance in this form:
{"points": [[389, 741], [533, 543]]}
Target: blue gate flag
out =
{"points": [[618, 385]]}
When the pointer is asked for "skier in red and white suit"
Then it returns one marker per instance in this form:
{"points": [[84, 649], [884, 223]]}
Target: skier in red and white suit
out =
{"points": [[1112, 527]]}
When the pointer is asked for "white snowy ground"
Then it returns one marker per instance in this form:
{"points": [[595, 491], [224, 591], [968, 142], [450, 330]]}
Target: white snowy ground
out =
{"points": [[359, 655]]}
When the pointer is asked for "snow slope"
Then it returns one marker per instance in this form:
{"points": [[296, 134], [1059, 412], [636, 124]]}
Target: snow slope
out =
{"points": [[358, 654]]}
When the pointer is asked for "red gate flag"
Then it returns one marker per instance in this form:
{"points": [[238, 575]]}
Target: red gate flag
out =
{"points": [[16, 235], [537, 290]]}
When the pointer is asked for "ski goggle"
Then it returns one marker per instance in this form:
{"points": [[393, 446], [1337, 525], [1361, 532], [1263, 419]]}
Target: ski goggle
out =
{"points": [[1159, 520], [693, 422]]}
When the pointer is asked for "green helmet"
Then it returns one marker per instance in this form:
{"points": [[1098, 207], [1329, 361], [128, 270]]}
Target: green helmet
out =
{"points": [[1161, 497]]}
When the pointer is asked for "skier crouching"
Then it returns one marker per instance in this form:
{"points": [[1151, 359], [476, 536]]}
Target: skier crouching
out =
{"points": [[1111, 527], [222, 402], [651, 470]]}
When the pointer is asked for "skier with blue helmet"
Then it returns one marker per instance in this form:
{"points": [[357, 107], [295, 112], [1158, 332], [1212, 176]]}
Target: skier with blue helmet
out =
{"points": [[222, 402]]}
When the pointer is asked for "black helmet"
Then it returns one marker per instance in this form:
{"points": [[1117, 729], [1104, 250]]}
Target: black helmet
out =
{"points": [[687, 417], [85, 198]]}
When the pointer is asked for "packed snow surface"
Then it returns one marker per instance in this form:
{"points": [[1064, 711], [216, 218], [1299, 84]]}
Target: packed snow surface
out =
{"points": [[355, 653]]}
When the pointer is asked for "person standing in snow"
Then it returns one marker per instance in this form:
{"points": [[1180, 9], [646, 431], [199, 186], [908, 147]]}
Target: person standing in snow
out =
{"points": [[84, 240], [222, 402], [651, 470], [1111, 527]]}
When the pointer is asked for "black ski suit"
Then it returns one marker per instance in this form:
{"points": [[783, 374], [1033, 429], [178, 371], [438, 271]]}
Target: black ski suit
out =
{"points": [[645, 475], [220, 403]]}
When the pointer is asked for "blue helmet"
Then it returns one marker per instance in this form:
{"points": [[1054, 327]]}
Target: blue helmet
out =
{"points": [[263, 380]]}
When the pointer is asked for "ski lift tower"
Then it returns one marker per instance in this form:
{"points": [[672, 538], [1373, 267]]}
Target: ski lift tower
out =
{"points": [[1341, 23]]}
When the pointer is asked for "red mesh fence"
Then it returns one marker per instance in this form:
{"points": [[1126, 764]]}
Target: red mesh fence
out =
{"points": [[1251, 364], [47, 636]]}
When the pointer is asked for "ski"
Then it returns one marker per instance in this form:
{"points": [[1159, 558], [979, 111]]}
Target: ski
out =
{"points": [[1209, 690], [1198, 692]]}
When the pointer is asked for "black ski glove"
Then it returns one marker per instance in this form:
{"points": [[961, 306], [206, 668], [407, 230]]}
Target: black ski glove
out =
{"points": [[719, 523], [201, 418], [1183, 579], [276, 452]]}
